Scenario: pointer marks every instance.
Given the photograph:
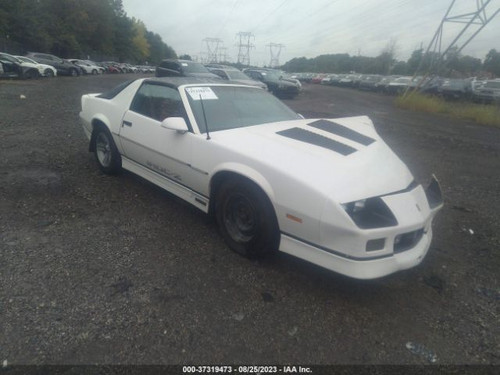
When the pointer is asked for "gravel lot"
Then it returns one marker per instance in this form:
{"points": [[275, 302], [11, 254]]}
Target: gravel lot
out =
{"points": [[113, 270]]}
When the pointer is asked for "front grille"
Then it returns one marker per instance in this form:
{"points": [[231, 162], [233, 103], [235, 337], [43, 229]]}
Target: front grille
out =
{"points": [[406, 241]]}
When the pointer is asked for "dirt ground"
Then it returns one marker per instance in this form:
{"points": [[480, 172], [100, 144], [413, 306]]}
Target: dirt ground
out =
{"points": [[113, 270]]}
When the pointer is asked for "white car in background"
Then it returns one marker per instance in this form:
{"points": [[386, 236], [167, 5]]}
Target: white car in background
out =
{"points": [[43, 69], [87, 67], [329, 191]]}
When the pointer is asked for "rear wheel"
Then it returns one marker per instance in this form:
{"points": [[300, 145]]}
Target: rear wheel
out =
{"points": [[106, 153], [48, 73], [94, 72], [246, 218], [73, 73]]}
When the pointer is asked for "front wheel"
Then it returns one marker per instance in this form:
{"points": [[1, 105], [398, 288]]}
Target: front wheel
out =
{"points": [[246, 219], [73, 72], [31, 74], [107, 155], [48, 73]]}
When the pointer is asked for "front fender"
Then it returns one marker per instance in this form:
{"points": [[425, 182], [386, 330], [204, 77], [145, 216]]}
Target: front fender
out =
{"points": [[247, 172]]}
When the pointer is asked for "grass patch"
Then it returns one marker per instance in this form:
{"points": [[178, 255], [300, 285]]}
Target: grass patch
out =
{"points": [[480, 113]]}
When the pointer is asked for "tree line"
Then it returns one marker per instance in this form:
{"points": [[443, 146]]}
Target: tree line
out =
{"points": [[453, 64], [95, 29]]}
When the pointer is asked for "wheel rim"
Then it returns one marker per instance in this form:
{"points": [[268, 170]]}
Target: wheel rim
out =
{"points": [[74, 73], [240, 218], [103, 150]]}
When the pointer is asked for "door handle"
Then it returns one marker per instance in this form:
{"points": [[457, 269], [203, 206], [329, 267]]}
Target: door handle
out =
{"points": [[126, 123]]}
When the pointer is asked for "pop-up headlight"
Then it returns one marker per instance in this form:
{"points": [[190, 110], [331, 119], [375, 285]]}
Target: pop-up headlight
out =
{"points": [[370, 213]]}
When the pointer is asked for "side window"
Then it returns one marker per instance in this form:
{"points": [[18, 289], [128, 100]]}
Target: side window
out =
{"points": [[170, 65], [157, 102]]}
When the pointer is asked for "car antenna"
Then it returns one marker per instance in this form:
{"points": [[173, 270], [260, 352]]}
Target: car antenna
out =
{"points": [[204, 117]]}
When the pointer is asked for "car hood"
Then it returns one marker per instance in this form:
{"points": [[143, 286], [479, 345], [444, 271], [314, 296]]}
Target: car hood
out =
{"points": [[344, 159]]}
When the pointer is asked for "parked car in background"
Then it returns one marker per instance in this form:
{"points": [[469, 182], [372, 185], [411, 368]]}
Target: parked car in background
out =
{"points": [[64, 67], [329, 79], [183, 68], [237, 77], [347, 80], [318, 78], [288, 77], [87, 67], [274, 81], [12, 67], [146, 69], [488, 92], [456, 89], [43, 69], [111, 67], [381, 86], [369, 82], [430, 85], [399, 85]]}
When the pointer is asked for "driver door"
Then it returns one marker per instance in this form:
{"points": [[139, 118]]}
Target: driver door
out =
{"points": [[144, 141]]}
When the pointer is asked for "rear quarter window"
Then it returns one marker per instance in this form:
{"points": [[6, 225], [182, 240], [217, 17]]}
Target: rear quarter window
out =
{"points": [[115, 91]]}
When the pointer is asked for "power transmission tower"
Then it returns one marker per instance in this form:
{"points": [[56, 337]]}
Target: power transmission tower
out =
{"points": [[222, 54], [212, 45], [275, 50], [244, 46], [474, 21]]}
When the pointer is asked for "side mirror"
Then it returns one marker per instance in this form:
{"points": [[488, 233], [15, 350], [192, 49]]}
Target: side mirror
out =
{"points": [[175, 123]]}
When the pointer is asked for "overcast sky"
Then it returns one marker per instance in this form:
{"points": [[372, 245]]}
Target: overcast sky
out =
{"points": [[310, 27]]}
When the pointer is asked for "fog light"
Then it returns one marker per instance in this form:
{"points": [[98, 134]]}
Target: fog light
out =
{"points": [[398, 238], [374, 245]]}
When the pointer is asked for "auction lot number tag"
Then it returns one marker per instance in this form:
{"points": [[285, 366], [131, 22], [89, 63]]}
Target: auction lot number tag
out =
{"points": [[205, 93]]}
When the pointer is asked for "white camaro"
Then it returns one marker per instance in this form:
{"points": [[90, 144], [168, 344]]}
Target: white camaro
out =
{"points": [[329, 191]]}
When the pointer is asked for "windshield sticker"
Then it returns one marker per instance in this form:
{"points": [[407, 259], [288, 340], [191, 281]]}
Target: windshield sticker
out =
{"points": [[205, 93]]}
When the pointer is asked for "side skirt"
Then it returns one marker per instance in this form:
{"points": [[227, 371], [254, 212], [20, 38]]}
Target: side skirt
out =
{"points": [[197, 200]]}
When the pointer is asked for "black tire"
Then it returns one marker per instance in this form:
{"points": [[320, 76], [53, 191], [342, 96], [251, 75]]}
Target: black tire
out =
{"points": [[246, 218], [48, 73], [73, 73], [106, 154], [94, 72], [31, 74]]}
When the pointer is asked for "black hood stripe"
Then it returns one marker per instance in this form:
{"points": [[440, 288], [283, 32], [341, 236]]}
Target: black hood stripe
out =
{"points": [[317, 140], [337, 129]]}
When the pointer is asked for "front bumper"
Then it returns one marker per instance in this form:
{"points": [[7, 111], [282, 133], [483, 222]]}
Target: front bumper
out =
{"points": [[395, 248]]}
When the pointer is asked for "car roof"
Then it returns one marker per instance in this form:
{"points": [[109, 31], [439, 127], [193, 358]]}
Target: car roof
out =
{"points": [[225, 69], [182, 61], [179, 81]]}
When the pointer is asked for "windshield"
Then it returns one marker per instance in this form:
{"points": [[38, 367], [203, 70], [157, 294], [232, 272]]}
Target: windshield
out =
{"points": [[25, 59], [235, 107], [236, 74], [9, 58], [273, 74]]}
